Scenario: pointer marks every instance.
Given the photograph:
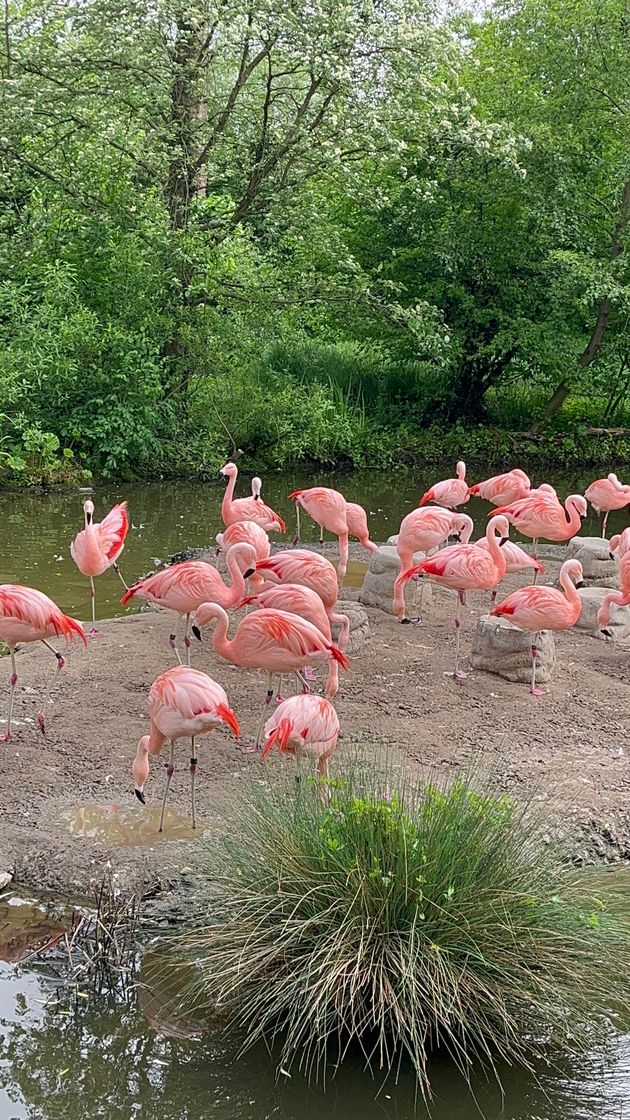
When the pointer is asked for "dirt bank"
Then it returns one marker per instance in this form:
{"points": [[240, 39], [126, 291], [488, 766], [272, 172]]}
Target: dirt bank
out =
{"points": [[67, 804]]}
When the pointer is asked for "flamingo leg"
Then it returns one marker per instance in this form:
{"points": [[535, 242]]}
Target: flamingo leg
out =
{"points": [[458, 674], [172, 641], [604, 523], [279, 696], [187, 638], [170, 766], [534, 554], [343, 557], [120, 576], [493, 596], [303, 682], [268, 699], [321, 536], [41, 719], [193, 771], [296, 539], [93, 631], [532, 688], [12, 683]]}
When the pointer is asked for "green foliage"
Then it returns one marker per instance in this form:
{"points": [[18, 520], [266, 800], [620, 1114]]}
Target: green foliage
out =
{"points": [[432, 917]]}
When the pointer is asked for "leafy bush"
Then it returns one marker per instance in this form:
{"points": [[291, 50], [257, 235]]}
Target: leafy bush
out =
{"points": [[430, 918]]}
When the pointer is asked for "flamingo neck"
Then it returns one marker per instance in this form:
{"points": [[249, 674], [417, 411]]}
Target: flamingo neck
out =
{"points": [[239, 588], [220, 641], [228, 496], [154, 742], [569, 589], [461, 470], [494, 549], [575, 521]]}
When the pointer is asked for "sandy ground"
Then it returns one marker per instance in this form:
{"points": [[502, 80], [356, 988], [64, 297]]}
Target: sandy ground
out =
{"points": [[67, 805]]}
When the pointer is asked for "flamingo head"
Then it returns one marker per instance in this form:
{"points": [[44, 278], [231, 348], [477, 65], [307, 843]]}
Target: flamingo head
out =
{"points": [[461, 527], [500, 527], [204, 615], [88, 511], [256, 488], [522, 475], [461, 469], [140, 768], [579, 503], [613, 545], [612, 477], [245, 556], [575, 572], [230, 470]]}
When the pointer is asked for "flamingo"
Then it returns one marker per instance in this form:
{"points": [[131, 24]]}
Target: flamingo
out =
{"points": [[98, 545], [273, 640], [246, 532], [537, 608], [303, 601], [358, 526], [184, 587], [304, 726], [502, 489], [606, 494], [622, 597], [516, 560], [422, 530], [247, 509], [465, 567], [542, 515], [329, 509], [183, 703], [451, 492], [300, 565], [27, 615], [619, 543]]}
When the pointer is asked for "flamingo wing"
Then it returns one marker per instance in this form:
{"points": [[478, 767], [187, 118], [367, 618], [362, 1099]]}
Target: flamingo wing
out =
{"points": [[112, 531]]}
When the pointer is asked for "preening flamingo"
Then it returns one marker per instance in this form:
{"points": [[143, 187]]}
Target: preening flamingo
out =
{"points": [[542, 515], [516, 560], [183, 704], [451, 492], [246, 532], [300, 600], [247, 509], [304, 726], [300, 565], [98, 545], [273, 640], [502, 489], [27, 615], [422, 530], [537, 608], [606, 494], [466, 567], [184, 587], [358, 525], [328, 508]]}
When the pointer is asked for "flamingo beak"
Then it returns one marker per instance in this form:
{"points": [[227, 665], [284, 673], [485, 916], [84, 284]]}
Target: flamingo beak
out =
{"points": [[139, 794], [607, 633], [455, 537], [612, 555], [249, 572], [580, 583], [503, 541], [197, 632]]}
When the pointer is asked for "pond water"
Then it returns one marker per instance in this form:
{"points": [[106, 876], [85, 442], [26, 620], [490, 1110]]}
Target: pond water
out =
{"points": [[170, 516]]}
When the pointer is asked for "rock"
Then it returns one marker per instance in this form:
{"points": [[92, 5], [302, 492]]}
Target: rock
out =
{"points": [[592, 599], [378, 585], [359, 624], [503, 649], [5, 878], [592, 552], [208, 555], [393, 540]]}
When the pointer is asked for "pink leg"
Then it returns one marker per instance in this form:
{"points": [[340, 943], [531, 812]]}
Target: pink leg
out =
{"points": [[532, 688], [296, 539], [187, 638], [172, 641], [170, 767], [604, 524], [268, 699], [41, 719], [343, 557], [534, 551], [12, 682], [193, 771], [120, 576], [93, 631], [458, 674]]}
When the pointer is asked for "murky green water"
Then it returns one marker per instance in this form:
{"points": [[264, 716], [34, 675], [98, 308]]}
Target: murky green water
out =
{"points": [[170, 516]]}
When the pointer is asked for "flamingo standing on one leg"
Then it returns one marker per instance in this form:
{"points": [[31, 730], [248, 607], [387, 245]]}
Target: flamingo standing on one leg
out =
{"points": [[27, 615], [358, 525], [502, 489], [422, 530], [329, 509], [516, 560], [247, 509], [184, 587], [304, 726], [537, 608], [273, 640], [542, 515], [303, 601], [246, 532], [98, 545], [183, 704], [451, 492], [465, 567], [300, 565], [606, 494]]}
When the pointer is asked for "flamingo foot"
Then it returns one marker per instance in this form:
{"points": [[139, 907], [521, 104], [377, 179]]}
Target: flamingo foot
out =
{"points": [[280, 699], [459, 675], [8, 738], [93, 632], [535, 691], [252, 750], [41, 723], [309, 673]]}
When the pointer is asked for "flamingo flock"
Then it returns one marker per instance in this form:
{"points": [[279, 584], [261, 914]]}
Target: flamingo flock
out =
{"points": [[294, 594]]}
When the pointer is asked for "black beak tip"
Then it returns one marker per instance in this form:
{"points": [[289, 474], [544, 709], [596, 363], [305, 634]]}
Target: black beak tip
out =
{"points": [[139, 794], [607, 633], [249, 572], [405, 621], [580, 583], [503, 541], [611, 555], [197, 632]]}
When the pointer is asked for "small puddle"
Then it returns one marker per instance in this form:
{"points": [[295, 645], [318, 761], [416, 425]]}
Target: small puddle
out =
{"points": [[128, 826], [27, 927], [163, 986], [355, 574]]}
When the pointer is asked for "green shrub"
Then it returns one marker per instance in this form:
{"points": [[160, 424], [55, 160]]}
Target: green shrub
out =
{"points": [[431, 918]]}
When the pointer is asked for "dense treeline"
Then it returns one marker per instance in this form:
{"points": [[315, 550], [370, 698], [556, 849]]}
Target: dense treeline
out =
{"points": [[334, 229]]}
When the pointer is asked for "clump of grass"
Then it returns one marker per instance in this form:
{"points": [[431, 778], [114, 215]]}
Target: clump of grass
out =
{"points": [[434, 917]]}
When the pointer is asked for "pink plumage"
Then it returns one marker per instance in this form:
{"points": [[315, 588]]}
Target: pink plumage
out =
{"points": [[184, 587], [502, 489], [300, 565], [422, 530], [542, 515], [358, 525], [247, 509], [300, 600], [304, 726], [99, 544], [329, 509], [451, 492], [466, 567]]}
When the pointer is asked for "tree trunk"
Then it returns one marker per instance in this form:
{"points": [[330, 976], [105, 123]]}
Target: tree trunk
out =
{"points": [[594, 344]]}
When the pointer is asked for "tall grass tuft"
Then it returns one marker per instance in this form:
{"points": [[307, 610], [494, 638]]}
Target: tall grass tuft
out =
{"points": [[430, 918]]}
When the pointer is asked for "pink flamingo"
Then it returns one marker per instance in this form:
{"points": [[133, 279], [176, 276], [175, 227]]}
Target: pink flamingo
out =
{"points": [[247, 509], [300, 565], [605, 494], [304, 726], [184, 587], [542, 515], [303, 601], [27, 615], [466, 567], [183, 704], [619, 543], [423, 530], [451, 492], [273, 640], [328, 508], [98, 546], [358, 525], [246, 532], [502, 489], [622, 597], [516, 560], [537, 608]]}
